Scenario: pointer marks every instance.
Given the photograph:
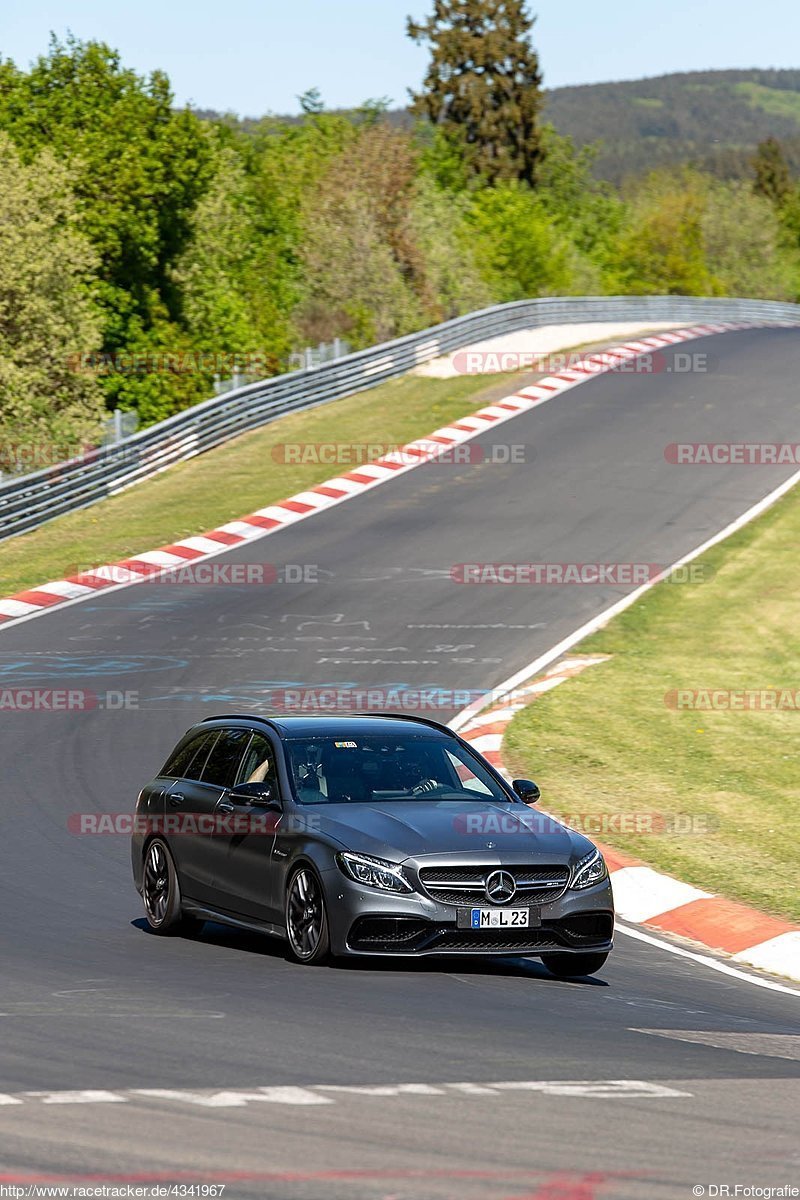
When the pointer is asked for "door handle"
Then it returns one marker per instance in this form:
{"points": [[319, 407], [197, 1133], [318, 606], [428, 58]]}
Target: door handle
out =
{"points": [[225, 806], [176, 799]]}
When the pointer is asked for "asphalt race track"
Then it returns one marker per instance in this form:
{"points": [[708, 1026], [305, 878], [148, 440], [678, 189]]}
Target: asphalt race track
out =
{"points": [[262, 1070]]}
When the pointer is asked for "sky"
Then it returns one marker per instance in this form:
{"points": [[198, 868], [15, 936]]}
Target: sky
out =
{"points": [[257, 56]]}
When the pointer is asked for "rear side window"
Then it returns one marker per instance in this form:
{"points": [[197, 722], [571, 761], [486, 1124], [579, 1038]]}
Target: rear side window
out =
{"points": [[188, 760], [223, 762]]}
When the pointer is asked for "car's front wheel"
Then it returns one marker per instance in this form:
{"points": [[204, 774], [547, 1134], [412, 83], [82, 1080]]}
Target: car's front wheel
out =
{"points": [[162, 894], [571, 966], [307, 918]]}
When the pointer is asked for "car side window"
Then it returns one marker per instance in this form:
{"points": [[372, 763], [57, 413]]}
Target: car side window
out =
{"points": [[188, 760], [258, 765], [223, 762]]}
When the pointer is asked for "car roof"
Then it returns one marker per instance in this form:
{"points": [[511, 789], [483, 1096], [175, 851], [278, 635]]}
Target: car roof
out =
{"points": [[339, 724]]}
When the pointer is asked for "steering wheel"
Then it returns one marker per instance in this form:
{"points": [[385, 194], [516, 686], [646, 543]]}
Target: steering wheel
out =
{"points": [[425, 785]]}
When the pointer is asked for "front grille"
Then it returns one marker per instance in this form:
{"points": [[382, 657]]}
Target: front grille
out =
{"points": [[410, 935], [522, 941], [467, 885]]}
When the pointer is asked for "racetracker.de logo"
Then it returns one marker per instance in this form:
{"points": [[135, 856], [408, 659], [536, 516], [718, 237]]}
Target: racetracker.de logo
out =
{"points": [[768, 700], [551, 574], [204, 574], [212, 824], [54, 700], [356, 454], [477, 824], [369, 699], [733, 454], [512, 362]]}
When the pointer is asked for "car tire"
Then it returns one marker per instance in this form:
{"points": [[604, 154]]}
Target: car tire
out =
{"points": [[161, 893], [306, 917], [572, 966]]}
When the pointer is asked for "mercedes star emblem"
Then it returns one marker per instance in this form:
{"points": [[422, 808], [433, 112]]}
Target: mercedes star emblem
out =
{"points": [[500, 887]]}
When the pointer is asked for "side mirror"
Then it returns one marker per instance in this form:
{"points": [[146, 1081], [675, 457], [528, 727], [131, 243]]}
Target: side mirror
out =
{"points": [[259, 795], [527, 790]]}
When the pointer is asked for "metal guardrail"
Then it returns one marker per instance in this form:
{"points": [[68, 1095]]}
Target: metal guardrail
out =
{"points": [[31, 500]]}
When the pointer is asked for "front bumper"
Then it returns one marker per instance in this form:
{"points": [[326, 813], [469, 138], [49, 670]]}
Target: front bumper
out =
{"points": [[365, 921]]}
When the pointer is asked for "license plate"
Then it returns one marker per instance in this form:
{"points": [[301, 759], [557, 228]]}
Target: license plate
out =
{"points": [[499, 918]]}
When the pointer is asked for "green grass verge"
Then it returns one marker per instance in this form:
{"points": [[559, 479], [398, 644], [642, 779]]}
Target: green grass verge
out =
{"points": [[239, 477], [606, 742]]}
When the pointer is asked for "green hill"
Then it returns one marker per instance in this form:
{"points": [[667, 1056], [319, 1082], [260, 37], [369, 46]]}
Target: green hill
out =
{"points": [[714, 118]]}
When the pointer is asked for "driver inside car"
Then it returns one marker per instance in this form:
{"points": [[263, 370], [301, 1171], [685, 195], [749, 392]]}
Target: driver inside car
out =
{"points": [[424, 770]]}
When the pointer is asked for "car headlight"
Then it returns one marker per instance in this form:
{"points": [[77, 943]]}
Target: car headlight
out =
{"points": [[590, 870], [374, 872]]}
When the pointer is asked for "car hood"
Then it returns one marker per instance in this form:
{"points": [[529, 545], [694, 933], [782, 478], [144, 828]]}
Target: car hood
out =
{"points": [[415, 829]]}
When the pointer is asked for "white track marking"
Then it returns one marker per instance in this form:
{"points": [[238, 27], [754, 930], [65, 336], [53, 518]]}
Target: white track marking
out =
{"points": [[767, 1045], [385, 1089], [776, 955], [544, 660], [22, 609], [607, 1088], [202, 544], [62, 587], [320, 1093], [705, 960], [641, 893], [159, 558], [487, 741], [87, 1097], [237, 1099]]}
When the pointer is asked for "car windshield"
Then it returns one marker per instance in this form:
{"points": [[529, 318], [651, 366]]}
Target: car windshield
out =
{"points": [[365, 770]]}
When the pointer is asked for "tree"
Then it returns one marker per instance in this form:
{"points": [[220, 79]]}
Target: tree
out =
{"points": [[139, 168], [483, 85], [235, 297], [49, 321], [438, 222], [384, 248], [772, 177], [661, 246], [362, 268], [587, 210], [311, 101], [517, 248], [744, 244]]}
